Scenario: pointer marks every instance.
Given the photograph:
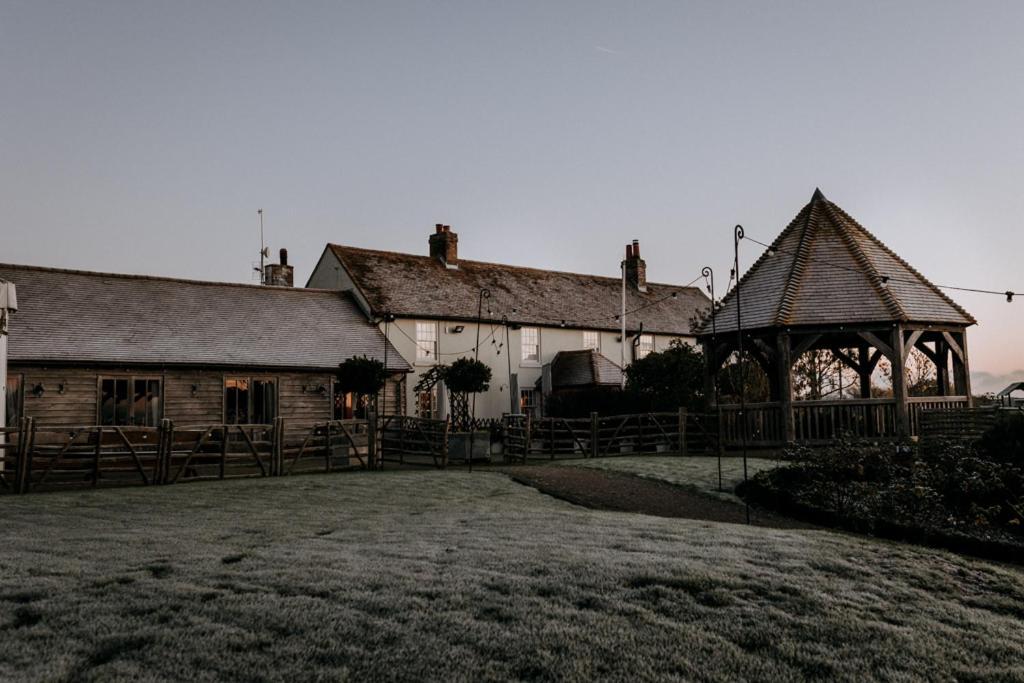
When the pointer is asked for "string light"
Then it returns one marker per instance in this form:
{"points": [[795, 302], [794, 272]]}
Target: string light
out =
{"points": [[885, 279]]}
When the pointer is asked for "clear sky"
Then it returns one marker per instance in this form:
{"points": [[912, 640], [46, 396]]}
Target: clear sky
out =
{"points": [[142, 136]]}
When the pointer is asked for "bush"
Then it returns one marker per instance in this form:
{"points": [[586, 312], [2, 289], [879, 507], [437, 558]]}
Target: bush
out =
{"points": [[467, 376], [957, 490], [1005, 441], [361, 375], [667, 380]]}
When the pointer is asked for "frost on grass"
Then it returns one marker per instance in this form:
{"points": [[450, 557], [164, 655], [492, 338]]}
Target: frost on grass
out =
{"points": [[696, 472], [451, 575]]}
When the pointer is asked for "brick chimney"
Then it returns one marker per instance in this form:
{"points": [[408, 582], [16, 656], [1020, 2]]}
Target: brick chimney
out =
{"points": [[444, 245], [279, 274], [636, 267]]}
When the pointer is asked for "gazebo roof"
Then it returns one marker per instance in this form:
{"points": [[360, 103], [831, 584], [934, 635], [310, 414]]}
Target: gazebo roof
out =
{"points": [[827, 269]]}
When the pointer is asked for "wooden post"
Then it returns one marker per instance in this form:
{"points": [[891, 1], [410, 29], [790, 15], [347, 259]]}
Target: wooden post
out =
{"points": [[595, 434], [551, 437], [444, 445], [967, 369], [163, 451], [682, 431], [277, 448], [371, 440], [96, 457], [327, 446], [899, 383], [784, 368], [23, 455], [223, 449]]}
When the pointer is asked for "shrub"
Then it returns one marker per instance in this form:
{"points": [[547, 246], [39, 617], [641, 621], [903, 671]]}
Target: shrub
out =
{"points": [[361, 375], [467, 376]]}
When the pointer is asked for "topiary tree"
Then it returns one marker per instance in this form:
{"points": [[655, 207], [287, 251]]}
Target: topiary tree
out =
{"points": [[362, 376], [464, 377]]}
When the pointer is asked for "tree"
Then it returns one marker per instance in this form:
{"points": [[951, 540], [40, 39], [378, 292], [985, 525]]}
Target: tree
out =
{"points": [[463, 377], [747, 374], [668, 380], [362, 376]]}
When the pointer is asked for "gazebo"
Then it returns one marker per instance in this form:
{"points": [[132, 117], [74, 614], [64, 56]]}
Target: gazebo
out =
{"points": [[826, 284]]}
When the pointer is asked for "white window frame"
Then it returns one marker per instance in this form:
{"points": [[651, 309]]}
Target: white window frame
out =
{"points": [[645, 347], [426, 344], [524, 358], [595, 340]]}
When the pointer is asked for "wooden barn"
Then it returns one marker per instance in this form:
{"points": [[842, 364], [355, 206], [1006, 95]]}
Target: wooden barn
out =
{"points": [[107, 349]]}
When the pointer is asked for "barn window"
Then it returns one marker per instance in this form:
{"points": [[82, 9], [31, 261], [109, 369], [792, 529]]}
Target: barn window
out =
{"points": [[530, 345], [14, 402], [349, 405], [250, 400], [131, 401]]}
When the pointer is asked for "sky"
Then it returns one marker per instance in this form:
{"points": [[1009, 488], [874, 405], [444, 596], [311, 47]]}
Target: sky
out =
{"points": [[142, 137]]}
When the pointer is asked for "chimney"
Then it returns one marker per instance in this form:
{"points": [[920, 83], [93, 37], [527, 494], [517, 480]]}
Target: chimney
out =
{"points": [[444, 245], [279, 274], [636, 267]]}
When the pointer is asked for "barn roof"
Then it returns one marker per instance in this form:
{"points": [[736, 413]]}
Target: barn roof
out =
{"points": [[408, 285], [71, 316], [827, 269], [584, 367]]}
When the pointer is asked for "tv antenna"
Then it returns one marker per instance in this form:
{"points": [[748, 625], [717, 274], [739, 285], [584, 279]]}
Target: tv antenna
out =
{"points": [[264, 251]]}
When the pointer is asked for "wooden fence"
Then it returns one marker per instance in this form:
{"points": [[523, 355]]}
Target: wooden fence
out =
{"points": [[414, 441], [33, 457], [552, 438]]}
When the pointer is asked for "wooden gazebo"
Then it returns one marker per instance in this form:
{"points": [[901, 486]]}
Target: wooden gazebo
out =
{"points": [[827, 284]]}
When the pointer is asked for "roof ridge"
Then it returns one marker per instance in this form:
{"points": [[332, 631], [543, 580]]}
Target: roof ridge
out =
{"points": [[513, 267], [161, 278], [899, 259], [890, 301], [754, 266], [799, 265]]}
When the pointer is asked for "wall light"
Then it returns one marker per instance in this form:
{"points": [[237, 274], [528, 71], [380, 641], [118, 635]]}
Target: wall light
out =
{"points": [[38, 390], [456, 329]]}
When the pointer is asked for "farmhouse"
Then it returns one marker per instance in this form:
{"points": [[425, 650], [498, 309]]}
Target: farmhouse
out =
{"points": [[435, 307], [106, 349]]}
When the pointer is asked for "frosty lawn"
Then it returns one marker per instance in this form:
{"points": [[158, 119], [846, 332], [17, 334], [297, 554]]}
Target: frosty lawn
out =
{"points": [[699, 473], [453, 575]]}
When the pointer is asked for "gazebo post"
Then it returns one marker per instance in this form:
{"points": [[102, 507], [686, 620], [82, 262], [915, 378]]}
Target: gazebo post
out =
{"points": [[899, 382], [784, 368], [966, 369], [864, 360]]}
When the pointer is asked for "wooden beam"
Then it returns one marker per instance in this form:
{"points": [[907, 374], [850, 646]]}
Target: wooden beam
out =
{"points": [[838, 353], [805, 344], [911, 342], [956, 347], [932, 355], [899, 384], [873, 339]]}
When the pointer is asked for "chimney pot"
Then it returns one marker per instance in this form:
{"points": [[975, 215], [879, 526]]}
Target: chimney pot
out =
{"points": [[629, 251], [636, 248], [438, 228], [284, 256]]}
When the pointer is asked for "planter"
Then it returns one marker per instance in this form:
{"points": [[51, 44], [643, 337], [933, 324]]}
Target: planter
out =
{"points": [[459, 445]]}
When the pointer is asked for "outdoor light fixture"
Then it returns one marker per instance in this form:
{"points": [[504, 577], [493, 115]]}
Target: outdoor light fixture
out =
{"points": [[456, 329], [1009, 297], [60, 387], [38, 390], [885, 281], [772, 251], [195, 389]]}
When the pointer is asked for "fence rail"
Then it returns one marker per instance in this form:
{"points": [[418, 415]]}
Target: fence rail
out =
{"points": [[414, 441], [553, 438]]}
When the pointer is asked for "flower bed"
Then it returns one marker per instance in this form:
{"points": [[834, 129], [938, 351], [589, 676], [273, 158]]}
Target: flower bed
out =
{"points": [[961, 497]]}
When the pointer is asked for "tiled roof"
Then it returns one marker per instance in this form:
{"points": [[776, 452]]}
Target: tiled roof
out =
{"points": [[407, 285], [827, 269], [85, 317], [584, 367]]}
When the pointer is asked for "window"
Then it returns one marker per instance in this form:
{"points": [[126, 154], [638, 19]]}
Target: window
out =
{"points": [[14, 401], [130, 401], [528, 402], [348, 405], [645, 346], [250, 400], [592, 340], [426, 341], [426, 403], [530, 345]]}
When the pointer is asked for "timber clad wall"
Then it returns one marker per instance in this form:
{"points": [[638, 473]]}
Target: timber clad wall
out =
{"points": [[77, 406]]}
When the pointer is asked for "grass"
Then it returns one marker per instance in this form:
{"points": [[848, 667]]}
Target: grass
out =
{"points": [[696, 472], [468, 576]]}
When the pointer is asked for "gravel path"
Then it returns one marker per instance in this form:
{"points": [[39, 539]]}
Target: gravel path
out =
{"points": [[606, 490]]}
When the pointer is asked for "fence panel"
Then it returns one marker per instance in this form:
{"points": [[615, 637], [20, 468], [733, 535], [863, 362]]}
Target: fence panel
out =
{"points": [[414, 441]]}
